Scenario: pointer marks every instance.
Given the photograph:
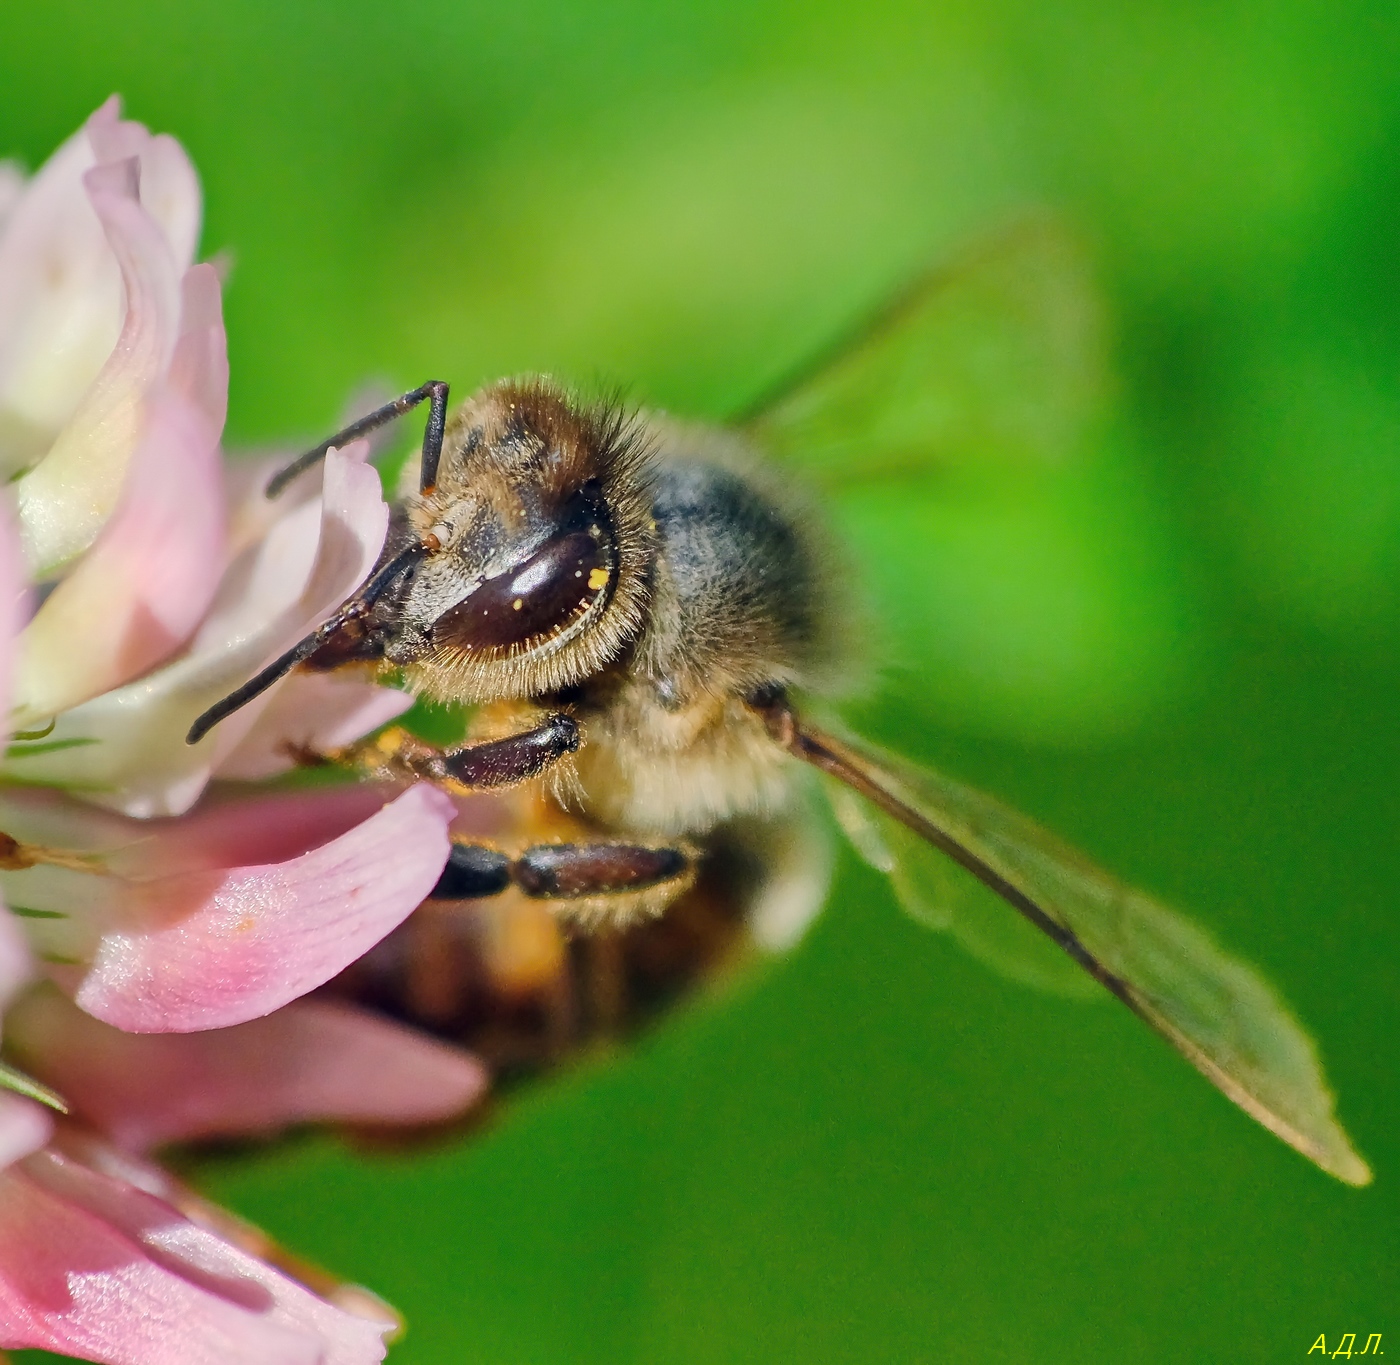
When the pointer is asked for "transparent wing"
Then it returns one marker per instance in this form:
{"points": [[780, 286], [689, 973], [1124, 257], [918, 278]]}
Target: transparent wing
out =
{"points": [[1219, 1013], [996, 356], [938, 894]]}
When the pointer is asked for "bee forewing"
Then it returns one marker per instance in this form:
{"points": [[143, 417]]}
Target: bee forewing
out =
{"points": [[1217, 1011], [995, 356], [939, 895]]}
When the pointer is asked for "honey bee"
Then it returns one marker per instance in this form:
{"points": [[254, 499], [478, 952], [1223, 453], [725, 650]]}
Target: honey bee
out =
{"points": [[645, 617]]}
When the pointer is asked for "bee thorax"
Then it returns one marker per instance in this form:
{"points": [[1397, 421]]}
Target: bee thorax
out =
{"points": [[739, 596], [671, 772]]}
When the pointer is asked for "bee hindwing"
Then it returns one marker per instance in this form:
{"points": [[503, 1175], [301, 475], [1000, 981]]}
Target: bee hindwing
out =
{"points": [[995, 355]]}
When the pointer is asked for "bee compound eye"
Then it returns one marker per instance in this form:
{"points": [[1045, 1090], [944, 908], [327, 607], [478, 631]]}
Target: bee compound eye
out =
{"points": [[554, 587]]}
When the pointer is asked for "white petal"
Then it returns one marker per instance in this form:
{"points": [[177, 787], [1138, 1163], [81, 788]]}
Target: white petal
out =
{"points": [[140, 592], [61, 296], [138, 761], [11, 188], [169, 186], [60, 305], [14, 605], [65, 500], [317, 711]]}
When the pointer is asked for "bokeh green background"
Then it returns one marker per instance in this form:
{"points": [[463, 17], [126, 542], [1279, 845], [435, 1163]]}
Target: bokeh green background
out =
{"points": [[874, 1150]]}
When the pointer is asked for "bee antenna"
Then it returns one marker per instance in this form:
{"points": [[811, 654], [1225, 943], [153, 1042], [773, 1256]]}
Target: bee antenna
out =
{"points": [[352, 610], [434, 389]]}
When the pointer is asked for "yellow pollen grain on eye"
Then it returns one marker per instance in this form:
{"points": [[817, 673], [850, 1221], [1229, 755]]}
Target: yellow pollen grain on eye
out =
{"points": [[517, 604], [596, 579]]}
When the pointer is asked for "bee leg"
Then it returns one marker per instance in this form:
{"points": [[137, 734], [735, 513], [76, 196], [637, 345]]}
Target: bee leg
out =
{"points": [[395, 753], [505, 762], [569, 872], [435, 390], [563, 872], [473, 872]]}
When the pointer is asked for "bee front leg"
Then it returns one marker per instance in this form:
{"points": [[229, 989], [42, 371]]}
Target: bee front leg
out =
{"points": [[506, 762], [476, 767]]}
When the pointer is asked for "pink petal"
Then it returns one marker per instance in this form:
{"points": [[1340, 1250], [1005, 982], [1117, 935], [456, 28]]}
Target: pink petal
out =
{"points": [[227, 829], [16, 964], [299, 573], [206, 950], [11, 190], [138, 595], [354, 524], [272, 596], [66, 498], [93, 1267], [224, 832], [24, 1127], [169, 186], [61, 297], [229, 832], [76, 908], [199, 366], [312, 1061], [318, 711], [252, 512]]}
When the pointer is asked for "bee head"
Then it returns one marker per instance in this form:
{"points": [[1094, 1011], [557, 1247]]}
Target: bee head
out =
{"points": [[538, 540], [523, 570]]}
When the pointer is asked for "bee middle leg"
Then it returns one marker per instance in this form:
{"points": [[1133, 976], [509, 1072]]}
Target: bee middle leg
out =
{"points": [[584, 874]]}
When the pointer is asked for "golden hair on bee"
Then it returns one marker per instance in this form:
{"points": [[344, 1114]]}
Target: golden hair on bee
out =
{"points": [[542, 517]]}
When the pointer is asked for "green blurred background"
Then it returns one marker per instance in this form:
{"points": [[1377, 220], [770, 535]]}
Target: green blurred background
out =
{"points": [[1183, 652]]}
